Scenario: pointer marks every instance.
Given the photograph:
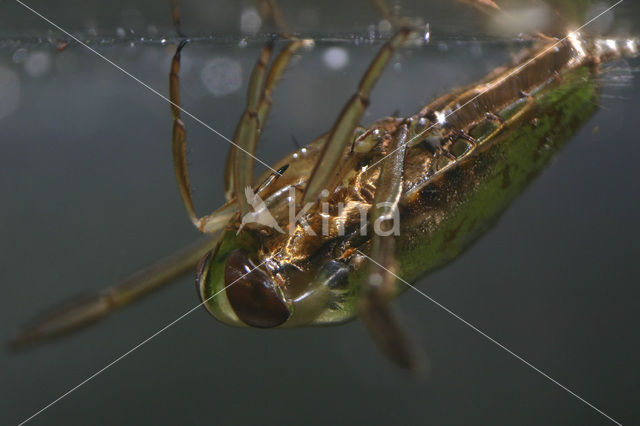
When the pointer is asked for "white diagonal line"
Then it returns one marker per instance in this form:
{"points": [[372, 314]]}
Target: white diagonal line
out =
{"points": [[514, 71], [491, 339], [97, 373], [151, 89]]}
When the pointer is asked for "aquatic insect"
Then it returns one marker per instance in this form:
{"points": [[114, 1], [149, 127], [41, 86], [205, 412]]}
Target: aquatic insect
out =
{"points": [[427, 186]]}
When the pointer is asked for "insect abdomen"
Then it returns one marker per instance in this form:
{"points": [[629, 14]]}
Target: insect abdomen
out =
{"points": [[443, 217]]}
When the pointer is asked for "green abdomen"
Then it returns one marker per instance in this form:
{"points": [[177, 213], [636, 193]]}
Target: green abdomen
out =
{"points": [[447, 214]]}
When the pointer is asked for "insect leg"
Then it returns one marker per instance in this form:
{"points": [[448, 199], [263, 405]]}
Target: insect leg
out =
{"points": [[269, 9], [325, 175], [86, 309], [380, 288], [179, 137], [239, 167], [175, 17], [217, 219], [239, 171], [275, 74]]}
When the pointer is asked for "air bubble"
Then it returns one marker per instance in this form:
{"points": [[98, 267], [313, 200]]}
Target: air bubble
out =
{"points": [[250, 21], [221, 76], [384, 26], [37, 64], [335, 58]]}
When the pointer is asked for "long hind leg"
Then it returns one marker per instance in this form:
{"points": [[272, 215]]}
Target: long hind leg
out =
{"points": [[85, 309], [325, 175], [88, 308], [380, 288], [217, 219]]}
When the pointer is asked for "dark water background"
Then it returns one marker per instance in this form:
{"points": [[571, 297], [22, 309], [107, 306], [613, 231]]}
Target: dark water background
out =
{"points": [[88, 196]]}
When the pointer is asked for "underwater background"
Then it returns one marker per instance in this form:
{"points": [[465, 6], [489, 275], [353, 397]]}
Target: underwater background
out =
{"points": [[89, 195]]}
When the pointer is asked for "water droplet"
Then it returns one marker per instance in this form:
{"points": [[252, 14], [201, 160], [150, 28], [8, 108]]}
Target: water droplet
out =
{"points": [[221, 76], [372, 32], [37, 64], [335, 58], [427, 33], [631, 46], [10, 89], [120, 32]]}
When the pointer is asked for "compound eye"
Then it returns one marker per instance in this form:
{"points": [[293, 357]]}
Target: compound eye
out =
{"points": [[254, 297]]}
